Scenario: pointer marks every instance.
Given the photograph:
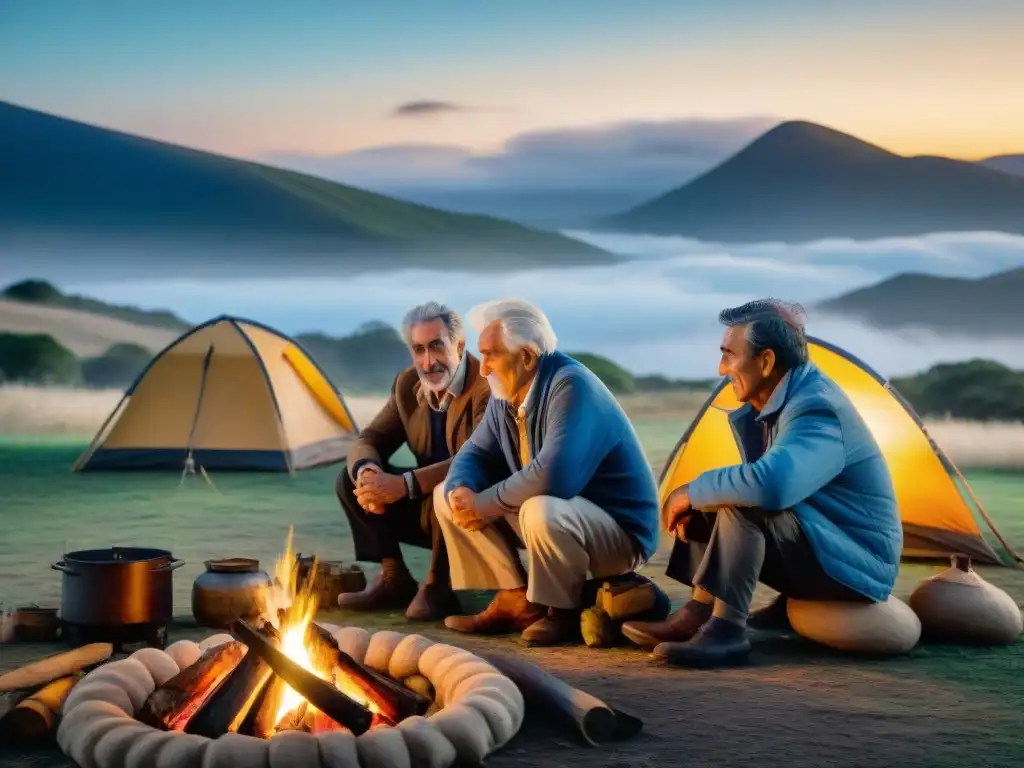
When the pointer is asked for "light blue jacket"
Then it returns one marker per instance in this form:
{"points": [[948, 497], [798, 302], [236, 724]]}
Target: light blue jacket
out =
{"points": [[581, 444], [824, 464]]}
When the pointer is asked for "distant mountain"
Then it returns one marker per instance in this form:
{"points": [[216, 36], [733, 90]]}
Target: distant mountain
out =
{"points": [[989, 306], [59, 177], [1006, 163], [800, 181]]}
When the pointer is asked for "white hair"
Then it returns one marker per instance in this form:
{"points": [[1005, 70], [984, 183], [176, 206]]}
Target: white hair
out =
{"points": [[522, 323]]}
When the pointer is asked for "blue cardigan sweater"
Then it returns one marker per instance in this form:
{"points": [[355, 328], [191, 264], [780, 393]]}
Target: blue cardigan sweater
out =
{"points": [[582, 444]]}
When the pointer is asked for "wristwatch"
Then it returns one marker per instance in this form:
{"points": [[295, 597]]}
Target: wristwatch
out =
{"points": [[411, 488]]}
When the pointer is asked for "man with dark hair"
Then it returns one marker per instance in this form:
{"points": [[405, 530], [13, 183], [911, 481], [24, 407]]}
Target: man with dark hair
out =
{"points": [[811, 512], [434, 407]]}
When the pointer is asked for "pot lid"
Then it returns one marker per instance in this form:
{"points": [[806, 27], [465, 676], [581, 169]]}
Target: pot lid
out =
{"points": [[233, 565]]}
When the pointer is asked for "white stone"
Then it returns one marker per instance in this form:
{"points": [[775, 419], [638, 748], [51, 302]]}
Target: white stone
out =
{"points": [[482, 711], [888, 628]]}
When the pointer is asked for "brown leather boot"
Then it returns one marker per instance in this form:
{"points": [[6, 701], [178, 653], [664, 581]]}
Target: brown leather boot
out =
{"points": [[677, 628], [394, 587], [509, 611], [433, 602], [557, 627]]}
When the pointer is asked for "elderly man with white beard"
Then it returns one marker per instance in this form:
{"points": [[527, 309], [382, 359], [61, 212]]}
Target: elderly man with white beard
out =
{"points": [[556, 459], [434, 406]]}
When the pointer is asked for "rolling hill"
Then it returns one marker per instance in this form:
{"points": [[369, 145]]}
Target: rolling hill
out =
{"points": [[1006, 163], [989, 306], [65, 179], [800, 181]]}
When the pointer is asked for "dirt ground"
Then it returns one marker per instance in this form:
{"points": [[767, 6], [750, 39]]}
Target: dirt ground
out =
{"points": [[794, 705]]}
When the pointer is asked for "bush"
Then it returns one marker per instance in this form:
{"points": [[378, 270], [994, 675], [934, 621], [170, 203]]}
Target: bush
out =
{"points": [[614, 376], [978, 390], [119, 366], [38, 291], [36, 358]]}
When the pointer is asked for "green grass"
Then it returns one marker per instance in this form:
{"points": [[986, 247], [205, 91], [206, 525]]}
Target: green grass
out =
{"points": [[47, 510]]}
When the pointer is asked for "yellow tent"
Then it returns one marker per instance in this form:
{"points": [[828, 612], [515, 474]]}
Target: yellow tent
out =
{"points": [[229, 394], [934, 499]]}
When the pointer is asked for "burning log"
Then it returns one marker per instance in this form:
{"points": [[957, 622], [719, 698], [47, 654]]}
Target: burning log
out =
{"points": [[229, 705], [321, 694], [173, 705], [394, 701]]}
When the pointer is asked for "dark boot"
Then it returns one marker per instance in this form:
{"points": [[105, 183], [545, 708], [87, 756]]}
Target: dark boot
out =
{"points": [[392, 588], [718, 642], [771, 618], [557, 627], [679, 627], [508, 612], [433, 602]]}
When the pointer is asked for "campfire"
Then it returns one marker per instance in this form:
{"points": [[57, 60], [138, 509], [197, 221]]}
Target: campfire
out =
{"points": [[285, 690], [282, 673]]}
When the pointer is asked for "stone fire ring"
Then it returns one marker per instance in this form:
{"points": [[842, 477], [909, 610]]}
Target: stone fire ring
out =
{"points": [[481, 710]]}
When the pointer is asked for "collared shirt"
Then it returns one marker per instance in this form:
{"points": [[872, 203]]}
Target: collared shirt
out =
{"points": [[521, 413]]}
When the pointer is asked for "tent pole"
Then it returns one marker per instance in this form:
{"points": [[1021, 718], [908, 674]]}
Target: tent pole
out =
{"points": [[189, 460], [984, 514]]}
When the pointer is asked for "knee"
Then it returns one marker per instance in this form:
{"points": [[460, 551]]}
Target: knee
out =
{"points": [[542, 514], [441, 508], [343, 485]]}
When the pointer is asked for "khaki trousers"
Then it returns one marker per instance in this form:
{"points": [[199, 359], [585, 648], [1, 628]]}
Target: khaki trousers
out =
{"points": [[565, 541]]}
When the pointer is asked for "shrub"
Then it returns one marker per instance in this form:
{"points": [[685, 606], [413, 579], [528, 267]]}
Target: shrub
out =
{"points": [[36, 358]]}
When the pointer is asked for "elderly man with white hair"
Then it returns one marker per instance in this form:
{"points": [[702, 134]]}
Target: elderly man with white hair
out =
{"points": [[556, 459]]}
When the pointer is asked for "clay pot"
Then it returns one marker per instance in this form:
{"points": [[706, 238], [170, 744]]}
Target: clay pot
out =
{"points": [[959, 606], [231, 588], [332, 579]]}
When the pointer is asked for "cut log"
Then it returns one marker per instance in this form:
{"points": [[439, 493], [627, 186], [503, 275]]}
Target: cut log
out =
{"points": [[394, 701], [320, 693], [172, 706], [261, 721], [55, 667], [35, 717], [228, 706], [595, 720]]}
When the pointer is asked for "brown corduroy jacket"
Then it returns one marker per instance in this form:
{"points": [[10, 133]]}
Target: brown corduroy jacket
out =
{"points": [[405, 418]]}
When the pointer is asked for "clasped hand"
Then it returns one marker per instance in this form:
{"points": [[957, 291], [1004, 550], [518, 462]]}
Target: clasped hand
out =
{"points": [[464, 512], [376, 489], [676, 511]]}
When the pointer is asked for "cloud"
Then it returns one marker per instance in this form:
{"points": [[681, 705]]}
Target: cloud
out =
{"points": [[653, 313], [425, 108], [648, 156]]}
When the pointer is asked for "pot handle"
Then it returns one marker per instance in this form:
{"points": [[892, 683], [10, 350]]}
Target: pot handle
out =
{"points": [[171, 566], [62, 566]]}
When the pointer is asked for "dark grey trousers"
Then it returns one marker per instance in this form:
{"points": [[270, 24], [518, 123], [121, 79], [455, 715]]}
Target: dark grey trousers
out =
{"points": [[729, 551]]}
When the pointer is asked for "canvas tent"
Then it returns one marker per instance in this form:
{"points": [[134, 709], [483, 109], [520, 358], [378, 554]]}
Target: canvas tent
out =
{"points": [[935, 501], [232, 394]]}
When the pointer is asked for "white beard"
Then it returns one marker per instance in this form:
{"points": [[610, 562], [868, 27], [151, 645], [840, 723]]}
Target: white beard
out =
{"points": [[497, 389], [435, 388]]}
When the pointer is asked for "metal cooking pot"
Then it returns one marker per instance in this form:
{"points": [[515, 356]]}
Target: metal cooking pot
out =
{"points": [[117, 586]]}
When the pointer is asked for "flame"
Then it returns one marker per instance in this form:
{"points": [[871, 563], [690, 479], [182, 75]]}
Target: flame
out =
{"points": [[290, 607]]}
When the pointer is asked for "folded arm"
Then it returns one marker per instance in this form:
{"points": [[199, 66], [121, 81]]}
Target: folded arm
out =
{"points": [[806, 456], [476, 460], [379, 440], [576, 439]]}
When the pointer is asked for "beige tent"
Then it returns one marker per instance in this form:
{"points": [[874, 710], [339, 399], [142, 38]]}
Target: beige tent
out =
{"points": [[230, 394]]}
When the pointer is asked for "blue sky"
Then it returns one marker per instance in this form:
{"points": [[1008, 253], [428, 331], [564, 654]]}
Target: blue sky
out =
{"points": [[249, 78]]}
